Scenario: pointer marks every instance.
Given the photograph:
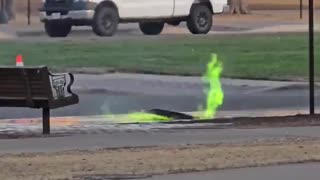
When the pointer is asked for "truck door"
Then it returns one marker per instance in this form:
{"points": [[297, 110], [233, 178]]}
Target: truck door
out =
{"points": [[146, 8], [182, 7]]}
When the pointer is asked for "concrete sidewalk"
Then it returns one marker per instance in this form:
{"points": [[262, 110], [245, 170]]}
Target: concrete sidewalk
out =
{"points": [[309, 171], [286, 28], [155, 137], [131, 30], [134, 28]]}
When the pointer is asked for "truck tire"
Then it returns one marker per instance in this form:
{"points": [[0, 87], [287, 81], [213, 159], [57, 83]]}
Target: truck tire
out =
{"points": [[57, 28], [105, 21], [151, 28], [200, 19]]}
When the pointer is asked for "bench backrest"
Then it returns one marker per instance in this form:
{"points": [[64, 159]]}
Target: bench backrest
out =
{"points": [[25, 83]]}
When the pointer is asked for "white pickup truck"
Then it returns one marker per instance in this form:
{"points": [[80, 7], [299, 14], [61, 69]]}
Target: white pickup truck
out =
{"points": [[104, 16]]}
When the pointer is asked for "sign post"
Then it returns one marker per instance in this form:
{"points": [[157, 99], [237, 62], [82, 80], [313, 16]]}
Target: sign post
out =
{"points": [[311, 56], [29, 12], [301, 9]]}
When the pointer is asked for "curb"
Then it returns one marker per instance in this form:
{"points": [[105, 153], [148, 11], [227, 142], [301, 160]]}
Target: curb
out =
{"points": [[294, 87], [99, 90], [105, 91], [285, 88], [38, 32]]}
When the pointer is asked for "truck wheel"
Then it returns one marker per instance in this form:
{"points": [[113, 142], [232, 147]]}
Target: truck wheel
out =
{"points": [[200, 19], [105, 21], [57, 28], [151, 28]]}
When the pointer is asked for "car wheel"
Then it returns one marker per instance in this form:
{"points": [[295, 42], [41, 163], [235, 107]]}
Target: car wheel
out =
{"points": [[200, 19], [57, 28], [105, 21]]}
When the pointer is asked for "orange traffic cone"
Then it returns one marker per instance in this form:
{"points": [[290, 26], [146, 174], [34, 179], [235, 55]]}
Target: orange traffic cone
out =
{"points": [[19, 61]]}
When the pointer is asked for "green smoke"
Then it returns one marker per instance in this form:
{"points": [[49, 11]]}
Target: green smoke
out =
{"points": [[214, 93]]}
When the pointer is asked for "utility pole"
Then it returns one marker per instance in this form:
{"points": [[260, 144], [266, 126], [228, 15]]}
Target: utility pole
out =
{"points": [[311, 56]]}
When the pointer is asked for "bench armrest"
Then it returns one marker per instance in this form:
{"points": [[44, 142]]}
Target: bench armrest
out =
{"points": [[71, 76]]}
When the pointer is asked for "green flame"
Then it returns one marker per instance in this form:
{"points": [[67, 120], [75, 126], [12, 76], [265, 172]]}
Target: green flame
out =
{"points": [[215, 94]]}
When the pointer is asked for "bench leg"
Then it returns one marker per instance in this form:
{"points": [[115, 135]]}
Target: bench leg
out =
{"points": [[46, 121]]}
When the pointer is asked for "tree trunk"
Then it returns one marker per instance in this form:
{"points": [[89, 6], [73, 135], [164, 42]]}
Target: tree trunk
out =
{"points": [[10, 9], [238, 7]]}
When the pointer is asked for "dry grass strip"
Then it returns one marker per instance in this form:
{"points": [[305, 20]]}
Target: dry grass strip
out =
{"points": [[156, 160]]}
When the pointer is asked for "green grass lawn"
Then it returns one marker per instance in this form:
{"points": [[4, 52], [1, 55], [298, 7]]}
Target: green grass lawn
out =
{"points": [[248, 56]]}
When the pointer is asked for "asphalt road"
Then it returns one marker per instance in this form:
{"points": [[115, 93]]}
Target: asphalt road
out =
{"points": [[108, 103], [152, 137], [284, 172], [100, 95], [112, 103]]}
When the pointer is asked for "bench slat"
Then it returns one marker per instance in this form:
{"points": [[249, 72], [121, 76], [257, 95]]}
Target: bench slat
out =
{"points": [[13, 82]]}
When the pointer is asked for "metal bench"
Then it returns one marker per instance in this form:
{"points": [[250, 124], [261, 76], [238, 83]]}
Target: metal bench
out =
{"points": [[36, 87]]}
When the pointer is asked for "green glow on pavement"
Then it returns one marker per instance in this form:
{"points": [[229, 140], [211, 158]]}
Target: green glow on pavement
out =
{"points": [[137, 117], [141, 117]]}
